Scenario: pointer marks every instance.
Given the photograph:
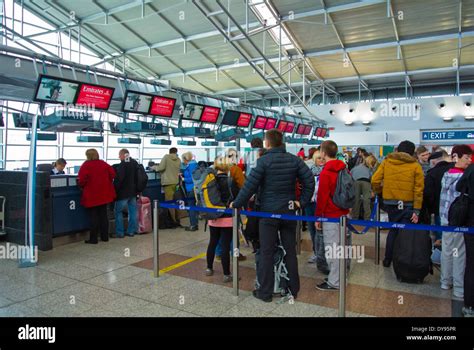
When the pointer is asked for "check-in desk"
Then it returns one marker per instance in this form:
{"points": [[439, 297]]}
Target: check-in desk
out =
{"points": [[58, 211]]}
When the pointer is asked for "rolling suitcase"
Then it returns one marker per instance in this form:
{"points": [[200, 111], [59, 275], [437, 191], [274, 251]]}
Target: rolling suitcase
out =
{"points": [[412, 255], [144, 215]]}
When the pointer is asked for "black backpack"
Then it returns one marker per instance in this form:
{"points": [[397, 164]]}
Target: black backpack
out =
{"points": [[458, 214], [412, 255], [141, 178]]}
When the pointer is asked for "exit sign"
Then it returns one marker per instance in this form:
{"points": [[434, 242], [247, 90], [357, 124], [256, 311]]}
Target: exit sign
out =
{"points": [[447, 135]]}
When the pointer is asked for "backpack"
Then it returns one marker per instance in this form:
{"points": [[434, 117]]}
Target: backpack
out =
{"points": [[207, 192], [344, 196], [141, 178], [458, 214]]}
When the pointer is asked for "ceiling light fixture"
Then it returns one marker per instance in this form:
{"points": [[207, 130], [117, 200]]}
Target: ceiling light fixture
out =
{"points": [[442, 105], [448, 119]]}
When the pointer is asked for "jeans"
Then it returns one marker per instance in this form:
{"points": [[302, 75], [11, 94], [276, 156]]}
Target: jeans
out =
{"points": [[193, 214], [131, 203], [321, 262], [310, 210], [402, 216]]}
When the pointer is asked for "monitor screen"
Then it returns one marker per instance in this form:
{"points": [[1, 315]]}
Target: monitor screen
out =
{"points": [[324, 132], [95, 96], [270, 123], [135, 102], [307, 130], [300, 129], [56, 90], [260, 122], [210, 114], [193, 111], [317, 132], [290, 127], [244, 120], [230, 117], [282, 125], [162, 106]]}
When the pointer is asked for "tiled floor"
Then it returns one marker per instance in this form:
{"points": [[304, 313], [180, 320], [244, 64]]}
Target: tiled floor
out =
{"points": [[115, 279]]}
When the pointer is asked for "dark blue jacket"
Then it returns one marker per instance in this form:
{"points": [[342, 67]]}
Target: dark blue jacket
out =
{"points": [[188, 175], [274, 177]]}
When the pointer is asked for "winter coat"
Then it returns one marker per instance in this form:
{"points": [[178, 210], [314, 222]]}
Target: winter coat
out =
{"points": [[448, 192], [325, 207], [188, 175], [95, 178], [125, 180], [169, 168]]}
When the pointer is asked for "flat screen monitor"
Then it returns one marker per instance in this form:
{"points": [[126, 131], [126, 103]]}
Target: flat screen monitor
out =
{"points": [[244, 120], [136, 102], [56, 90], [260, 122], [307, 130], [193, 111], [162, 106], [271, 122], [95, 96], [317, 132], [324, 132], [210, 114], [300, 129], [282, 125], [290, 127], [230, 117]]}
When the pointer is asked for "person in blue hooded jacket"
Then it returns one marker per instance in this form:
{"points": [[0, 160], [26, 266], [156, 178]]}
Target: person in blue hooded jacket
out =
{"points": [[189, 166]]}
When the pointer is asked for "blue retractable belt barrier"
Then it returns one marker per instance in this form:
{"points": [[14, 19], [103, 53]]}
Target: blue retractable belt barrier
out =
{"points": [[366, 223], [372, 217]]}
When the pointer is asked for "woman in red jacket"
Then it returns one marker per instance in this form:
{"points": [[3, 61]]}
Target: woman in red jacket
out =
{"points": [[96, 181]]}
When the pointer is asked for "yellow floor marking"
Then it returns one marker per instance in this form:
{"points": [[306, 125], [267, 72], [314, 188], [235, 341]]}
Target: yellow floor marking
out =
{"points": [[182, 263]]}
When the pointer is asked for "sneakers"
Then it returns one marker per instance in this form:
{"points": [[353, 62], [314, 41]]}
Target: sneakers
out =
{"points": [[468, 311], [191, 228], [227, 278], [446, 286], [325, 287], [266, 300], [209, 272], [312, 259]]}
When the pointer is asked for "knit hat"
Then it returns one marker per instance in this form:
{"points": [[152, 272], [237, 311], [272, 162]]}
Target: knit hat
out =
{"points": [[407, 147]]}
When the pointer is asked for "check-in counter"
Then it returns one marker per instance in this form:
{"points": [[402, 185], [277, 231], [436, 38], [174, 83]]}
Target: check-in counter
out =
{"points": [[58, 211]]}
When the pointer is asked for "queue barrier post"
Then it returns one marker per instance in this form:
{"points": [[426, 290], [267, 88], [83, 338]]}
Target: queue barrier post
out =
{"points": [[377, 235], [236, 251], [342, 266], [156, 245]]}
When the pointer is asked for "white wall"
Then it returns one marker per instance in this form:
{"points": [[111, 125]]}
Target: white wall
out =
{"points": [[389, 127]]}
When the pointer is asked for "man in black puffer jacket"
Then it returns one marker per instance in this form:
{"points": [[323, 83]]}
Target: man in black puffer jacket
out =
{"points": [[274, 177]]}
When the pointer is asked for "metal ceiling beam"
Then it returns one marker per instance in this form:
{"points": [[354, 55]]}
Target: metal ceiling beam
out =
{"points": [[318, 53], [365, 77], [252, 25], [198, 5]]}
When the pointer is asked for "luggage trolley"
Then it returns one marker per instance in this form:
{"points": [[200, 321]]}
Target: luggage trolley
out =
{"points": [[2, 215]]}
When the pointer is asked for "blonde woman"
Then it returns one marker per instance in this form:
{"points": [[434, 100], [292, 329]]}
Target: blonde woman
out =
{"points": [[189, 166]]}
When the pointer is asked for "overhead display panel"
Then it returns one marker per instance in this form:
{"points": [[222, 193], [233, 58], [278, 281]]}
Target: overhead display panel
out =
{"points": [[282, 124], [290, 127], [303, 129], [271, 122], [320, 132], [95, 96], [136, 102], [56, 90], [307, 130], [244, 120], [193, 111], [260, 122], [162, 106], [210, 114]]}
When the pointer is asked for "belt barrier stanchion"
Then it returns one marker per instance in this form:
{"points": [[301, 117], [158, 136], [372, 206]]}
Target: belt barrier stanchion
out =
{"points": [[377, 235], [156, 246], [236, 251], [342, 266]]}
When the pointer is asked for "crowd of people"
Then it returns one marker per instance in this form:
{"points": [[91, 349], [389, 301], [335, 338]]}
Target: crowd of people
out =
{"points": [[413, 185]]}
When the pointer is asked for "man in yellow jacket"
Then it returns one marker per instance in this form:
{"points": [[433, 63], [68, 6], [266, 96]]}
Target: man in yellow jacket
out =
{"points": [[400, 181]]}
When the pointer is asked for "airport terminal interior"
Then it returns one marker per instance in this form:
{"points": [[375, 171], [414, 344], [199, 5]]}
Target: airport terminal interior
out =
{"points": [[119, 117]]}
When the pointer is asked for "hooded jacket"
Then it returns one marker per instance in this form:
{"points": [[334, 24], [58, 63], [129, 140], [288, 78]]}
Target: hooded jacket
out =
{"points": [[399, 178], [188, 175], [448, 192], [325, 207], [274, 177], [169, 168]]}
